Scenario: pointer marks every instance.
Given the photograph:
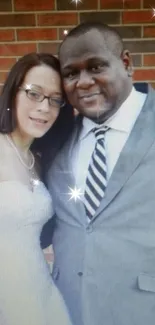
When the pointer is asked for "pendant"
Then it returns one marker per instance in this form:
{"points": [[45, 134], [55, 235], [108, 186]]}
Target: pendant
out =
{"points": [[34, 182]]}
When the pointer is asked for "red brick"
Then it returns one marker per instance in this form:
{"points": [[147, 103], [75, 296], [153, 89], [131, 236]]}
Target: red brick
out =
{"points": [[16, 49], [34, 5], [148, 3], [140, 45], [136, 17], [49, 47], [149, 60], [7, 35], [132, 4], [153, 84], [149, 31], [3, 75], [108, 17], [144, 75], [57, 19], [82, 5], [7, 63], [5, 5], [120, 4], [37, 34], [14, 20]]}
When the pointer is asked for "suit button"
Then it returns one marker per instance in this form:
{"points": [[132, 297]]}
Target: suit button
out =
{"points": [[80, 273]]}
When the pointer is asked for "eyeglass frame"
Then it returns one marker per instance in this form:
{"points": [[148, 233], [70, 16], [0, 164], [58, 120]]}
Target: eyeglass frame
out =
{"points": [[44, 97]]}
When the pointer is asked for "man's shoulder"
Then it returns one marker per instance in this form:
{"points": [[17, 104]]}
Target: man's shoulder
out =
{"points": [[144, 87], [148, 90]]}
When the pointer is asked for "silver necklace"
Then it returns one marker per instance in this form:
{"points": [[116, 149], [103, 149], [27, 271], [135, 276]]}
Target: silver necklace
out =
{"points": [[19, 156], [33, 180]]}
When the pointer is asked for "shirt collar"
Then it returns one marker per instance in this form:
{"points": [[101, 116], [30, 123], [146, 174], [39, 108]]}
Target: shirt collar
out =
{"points": [[123, 119]]}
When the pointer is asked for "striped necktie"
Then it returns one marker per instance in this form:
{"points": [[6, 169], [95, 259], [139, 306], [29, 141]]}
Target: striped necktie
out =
{"points": [[96, 180]]}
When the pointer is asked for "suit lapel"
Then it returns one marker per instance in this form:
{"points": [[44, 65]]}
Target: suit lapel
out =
{"points": [[65, 156], [63, 165], [138, 143]]}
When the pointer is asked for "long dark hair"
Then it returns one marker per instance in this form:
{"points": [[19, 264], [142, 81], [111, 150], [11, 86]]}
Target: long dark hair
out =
{"points": [[53, 140]]}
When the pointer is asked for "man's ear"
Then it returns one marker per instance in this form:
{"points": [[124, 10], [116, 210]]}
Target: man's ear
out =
{"points": [[127, 61]]}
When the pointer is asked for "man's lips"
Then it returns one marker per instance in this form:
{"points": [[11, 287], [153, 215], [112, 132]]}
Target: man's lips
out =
{"points": [[89, 95], [89, 98]]}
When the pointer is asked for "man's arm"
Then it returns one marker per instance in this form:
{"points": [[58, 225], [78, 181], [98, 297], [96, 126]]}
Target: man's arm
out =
{"points": [[47, 233]]}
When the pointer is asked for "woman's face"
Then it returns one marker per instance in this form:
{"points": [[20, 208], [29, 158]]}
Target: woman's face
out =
{"points": [[34, 117]]}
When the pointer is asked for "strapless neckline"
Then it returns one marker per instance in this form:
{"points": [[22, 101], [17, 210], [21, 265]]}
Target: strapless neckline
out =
{"points": [[6, 182]]}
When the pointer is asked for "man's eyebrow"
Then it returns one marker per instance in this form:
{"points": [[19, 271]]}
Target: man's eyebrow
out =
{"points": [[88, 60], [97, 59]]}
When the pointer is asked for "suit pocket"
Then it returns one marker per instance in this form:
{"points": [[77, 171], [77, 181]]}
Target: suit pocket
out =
{"points": [[146, 282], [55, 273]]}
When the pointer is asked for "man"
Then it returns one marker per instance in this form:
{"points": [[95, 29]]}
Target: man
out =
{"points": [[104, 241]]}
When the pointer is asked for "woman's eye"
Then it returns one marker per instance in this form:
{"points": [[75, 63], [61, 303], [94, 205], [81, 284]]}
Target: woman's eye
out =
{"points": [[34, 94]]}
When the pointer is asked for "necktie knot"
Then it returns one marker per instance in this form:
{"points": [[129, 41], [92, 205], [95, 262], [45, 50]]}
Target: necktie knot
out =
{"points": [[100, 132]]}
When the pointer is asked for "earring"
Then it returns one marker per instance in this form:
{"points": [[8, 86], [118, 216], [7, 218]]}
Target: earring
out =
{"points": [[8, 109], [130, 71]]}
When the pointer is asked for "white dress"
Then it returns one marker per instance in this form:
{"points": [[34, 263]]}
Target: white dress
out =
{"points": [[27, 293]]}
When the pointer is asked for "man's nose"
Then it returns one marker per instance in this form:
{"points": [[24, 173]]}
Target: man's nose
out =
{"points": [[85, 80]]}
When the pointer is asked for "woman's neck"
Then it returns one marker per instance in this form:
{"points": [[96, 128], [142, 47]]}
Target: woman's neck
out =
{"points": [[22, 142]]}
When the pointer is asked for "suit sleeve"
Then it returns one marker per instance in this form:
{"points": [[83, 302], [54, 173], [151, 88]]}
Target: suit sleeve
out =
{"points": [[47, 233]]}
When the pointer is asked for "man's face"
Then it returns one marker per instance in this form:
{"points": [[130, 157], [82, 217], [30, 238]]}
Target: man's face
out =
{"points": [[95, 80]]}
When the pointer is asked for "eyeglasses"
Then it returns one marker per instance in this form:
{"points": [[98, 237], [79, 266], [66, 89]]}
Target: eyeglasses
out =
{"points": [[37, 96]]}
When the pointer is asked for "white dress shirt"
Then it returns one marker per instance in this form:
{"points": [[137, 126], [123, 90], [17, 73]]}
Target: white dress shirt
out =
{"points": [[121, 124]]}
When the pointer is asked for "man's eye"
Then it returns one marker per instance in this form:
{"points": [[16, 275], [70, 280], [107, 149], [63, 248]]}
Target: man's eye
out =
{"points": [[70, 74], [97, 68]]}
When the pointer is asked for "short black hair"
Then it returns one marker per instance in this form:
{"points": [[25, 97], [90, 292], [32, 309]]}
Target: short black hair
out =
{"points": [[111, 36], [52, 141]]}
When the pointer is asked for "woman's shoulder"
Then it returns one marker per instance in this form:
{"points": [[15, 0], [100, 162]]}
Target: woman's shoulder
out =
{"points": [[2, 137], [5, 156], [3, 144]]}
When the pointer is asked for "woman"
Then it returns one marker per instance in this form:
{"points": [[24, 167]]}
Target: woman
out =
{"points": [[32, 113]]}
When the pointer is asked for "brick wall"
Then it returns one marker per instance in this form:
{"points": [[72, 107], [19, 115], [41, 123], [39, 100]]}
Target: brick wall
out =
{"points": [[38, 25]]}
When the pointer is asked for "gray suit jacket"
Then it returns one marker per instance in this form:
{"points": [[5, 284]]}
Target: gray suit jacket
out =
{"points": [[106, 270]]}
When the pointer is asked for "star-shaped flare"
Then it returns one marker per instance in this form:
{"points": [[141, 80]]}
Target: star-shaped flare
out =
{"points": [[76, 1], [153, 12], [28, 86], [75, 193]]}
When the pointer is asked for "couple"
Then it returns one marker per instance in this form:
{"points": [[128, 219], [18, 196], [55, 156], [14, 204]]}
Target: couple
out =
{"points": [[104, 242]]}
